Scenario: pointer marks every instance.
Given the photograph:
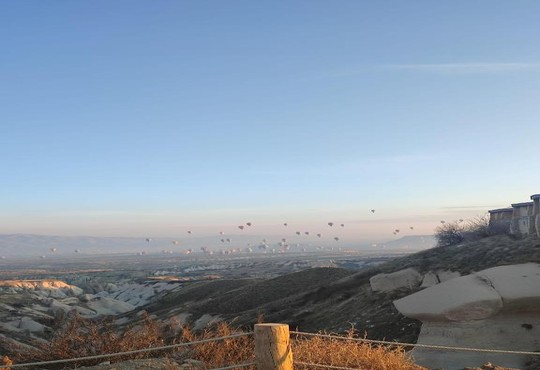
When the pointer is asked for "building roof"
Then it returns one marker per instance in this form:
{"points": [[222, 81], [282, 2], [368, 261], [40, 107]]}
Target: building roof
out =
{"points": [[524, 204], [501, 210], [535, 196]]}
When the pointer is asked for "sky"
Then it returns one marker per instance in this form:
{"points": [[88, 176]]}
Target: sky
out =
{"points": [[150, 118]]}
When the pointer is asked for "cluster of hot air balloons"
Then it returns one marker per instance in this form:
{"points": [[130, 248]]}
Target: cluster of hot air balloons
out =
{"points": [[242, 227], [280, 246]]}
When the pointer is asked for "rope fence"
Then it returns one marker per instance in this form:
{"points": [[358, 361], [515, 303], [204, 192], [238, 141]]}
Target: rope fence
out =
{"points": [[326, 366], [272, 349], [133, 352], [428, 346], [239, 366]]}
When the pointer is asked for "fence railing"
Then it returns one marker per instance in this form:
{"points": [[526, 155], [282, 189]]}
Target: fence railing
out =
{"points": [[272, 351], [133, 352]]}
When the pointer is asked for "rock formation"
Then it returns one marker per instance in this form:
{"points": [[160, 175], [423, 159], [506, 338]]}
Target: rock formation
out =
{"points": [[407, 278], [434, 278], [497, 308]]}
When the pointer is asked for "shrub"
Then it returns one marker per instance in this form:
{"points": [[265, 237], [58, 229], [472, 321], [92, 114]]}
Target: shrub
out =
{"points": [[477, 228], [449, 233], [80, 337], [456, 232]]}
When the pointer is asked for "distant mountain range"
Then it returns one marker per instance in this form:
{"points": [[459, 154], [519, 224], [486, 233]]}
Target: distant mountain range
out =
{"points": [[412, 242], [25, 245]]}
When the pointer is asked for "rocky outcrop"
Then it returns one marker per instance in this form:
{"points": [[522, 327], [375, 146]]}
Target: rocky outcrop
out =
{"points": [[497, 308], [48, 288], [403, 279], [437, 277], [29, 306]]}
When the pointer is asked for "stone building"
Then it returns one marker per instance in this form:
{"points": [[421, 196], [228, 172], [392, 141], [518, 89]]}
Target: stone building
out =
{"points": [[536, 211], [522, 219], [500, 220]]}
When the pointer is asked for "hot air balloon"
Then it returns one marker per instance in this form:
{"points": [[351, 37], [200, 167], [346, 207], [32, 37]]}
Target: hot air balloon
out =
{"points": [[336, 238], [342, 225], [176, 242], [319, 235], [148, 240], [223, 240], [241, 227], [228, 240], [397, 230], [330, 224], [77, 250], [189, 232], [53, 249], [306, 232], [298, 233], [221, 233], [285, 224], [443, 222], [372, 211], [412, 227], [248, 223]]}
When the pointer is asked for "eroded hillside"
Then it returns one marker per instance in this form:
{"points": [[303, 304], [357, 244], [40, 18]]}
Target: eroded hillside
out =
{"points": [[334, 299]]}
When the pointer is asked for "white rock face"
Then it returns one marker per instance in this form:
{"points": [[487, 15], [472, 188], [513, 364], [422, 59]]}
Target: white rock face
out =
{"points": [[465, 298], [407, 278], [447, 275], [434, 278], [47, 288], [430, 279], [26, 323], [109, 306], [514, 332], [518, 285], [138, 294], [497, 308], [205, 320]]}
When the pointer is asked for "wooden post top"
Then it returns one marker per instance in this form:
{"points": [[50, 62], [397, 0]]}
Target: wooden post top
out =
{"points": [[270, 324]]}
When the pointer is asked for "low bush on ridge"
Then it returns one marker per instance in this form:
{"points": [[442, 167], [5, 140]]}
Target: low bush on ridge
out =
{"points": [[461, 231]]}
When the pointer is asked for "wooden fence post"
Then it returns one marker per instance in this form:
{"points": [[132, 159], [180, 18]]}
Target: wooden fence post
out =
{"points": [[273, 347]]}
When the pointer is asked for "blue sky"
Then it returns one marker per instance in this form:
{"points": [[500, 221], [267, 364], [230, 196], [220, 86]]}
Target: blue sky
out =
{"points": [[151, 117]]}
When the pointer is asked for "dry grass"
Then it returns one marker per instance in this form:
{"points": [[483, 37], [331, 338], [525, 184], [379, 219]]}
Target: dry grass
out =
{"points": [[79, 337], [220, 353], [6, 363], [350, 353]]}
